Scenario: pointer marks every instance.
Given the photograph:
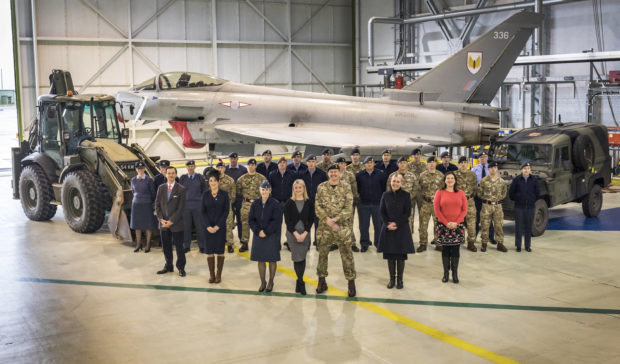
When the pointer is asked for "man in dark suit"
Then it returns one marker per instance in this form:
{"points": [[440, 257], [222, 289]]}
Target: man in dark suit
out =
{"points": [[266, 166], [195, 185], [386, 165], [169, 206], [445, 165], [297, 166]]}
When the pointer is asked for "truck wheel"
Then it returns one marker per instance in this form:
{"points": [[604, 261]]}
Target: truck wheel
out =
{"points": [[541, 217], [82, 202], [592, 203], [583, 153], [36, 193]]}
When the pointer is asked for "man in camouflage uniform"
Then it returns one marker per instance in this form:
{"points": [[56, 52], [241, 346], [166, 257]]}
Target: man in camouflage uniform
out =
{"points": [[417, 167], [355, 167], [248, 187], [227, 184], [334, 205], [430, 181], [466, 180], [409, 183], [349, 178], [492, 190], [326, 162]]}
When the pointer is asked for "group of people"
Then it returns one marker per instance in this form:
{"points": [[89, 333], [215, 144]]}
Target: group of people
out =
{"points": [[326, 195]]}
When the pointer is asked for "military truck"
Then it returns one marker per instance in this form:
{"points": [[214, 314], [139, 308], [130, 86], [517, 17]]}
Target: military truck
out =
{"points": [[571, 161], [75, 157]]}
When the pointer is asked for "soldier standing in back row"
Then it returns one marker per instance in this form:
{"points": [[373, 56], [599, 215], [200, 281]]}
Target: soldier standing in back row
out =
{"points": [[417, 167], [409, 183], [430, 181], [248, 187], [227, 184], [492, 190], [466, 181], [326, 162], [349, 178]]}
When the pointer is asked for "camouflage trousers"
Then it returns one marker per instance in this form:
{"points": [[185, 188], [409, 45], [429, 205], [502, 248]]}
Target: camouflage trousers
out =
{"points": [[353, 239], [470, 220], [426, 211], [495, 214], [415, 201], [325, 238], [229, 227], [245, 222]]}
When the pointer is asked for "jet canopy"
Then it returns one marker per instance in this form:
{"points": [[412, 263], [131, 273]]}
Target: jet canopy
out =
{"points": [[178, 80]]}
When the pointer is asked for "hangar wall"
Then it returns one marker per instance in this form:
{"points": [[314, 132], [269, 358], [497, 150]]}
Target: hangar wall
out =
{"points": [[109, 45]]}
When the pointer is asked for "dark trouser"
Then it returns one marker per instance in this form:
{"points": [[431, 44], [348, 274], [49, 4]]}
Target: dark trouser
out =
{"points": [[450, 255], [193, 216], [523, 225], [300, 268], [168, 238], [237, 211], [478, 203], [365, 213]]}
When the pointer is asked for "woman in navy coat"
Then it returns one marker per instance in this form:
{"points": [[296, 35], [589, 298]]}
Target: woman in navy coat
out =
{"points": [[215, 207], [265, 221], [395, 237], [143, 189]]}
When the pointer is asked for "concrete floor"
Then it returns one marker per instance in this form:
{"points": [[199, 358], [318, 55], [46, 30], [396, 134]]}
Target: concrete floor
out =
{"points": [[68, 297]]}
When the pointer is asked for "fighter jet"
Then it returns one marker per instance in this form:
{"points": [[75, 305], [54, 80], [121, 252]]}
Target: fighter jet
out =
{"points": [[449, 105]]}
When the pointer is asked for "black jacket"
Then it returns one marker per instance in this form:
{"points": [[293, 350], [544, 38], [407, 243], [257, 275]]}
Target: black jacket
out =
{"points": [[371, 186], [267, 218], [281, 184], [291, 215], [264, 170], [395, 207], [444, 170], [391, 167], [313, 181], [524, 193]]}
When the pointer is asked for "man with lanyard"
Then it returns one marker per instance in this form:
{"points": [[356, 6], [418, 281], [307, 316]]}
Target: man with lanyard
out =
{"points": [[370, 185], [195, 185], [297, 167], [266, 166], [482, 170], [313, 177], [234, 170]]}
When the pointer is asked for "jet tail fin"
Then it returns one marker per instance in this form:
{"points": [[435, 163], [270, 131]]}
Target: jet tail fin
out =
{"points": [[475, 73]]}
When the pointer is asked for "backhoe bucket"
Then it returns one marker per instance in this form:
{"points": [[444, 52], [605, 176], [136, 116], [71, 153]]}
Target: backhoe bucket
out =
{"points": [[118, 224]]}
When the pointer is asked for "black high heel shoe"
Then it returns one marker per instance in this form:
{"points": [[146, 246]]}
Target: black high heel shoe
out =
{"points": [[147, 250], [269, 287], [137, 249], [262, 286]]}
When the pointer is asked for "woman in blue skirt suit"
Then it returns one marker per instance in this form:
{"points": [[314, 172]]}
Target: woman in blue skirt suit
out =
{"points": [[265, 221], [144, 194], [215, 208]]}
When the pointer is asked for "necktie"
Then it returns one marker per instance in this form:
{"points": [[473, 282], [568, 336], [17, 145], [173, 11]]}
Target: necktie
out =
{"points": [[170, 187], [484, 172]]}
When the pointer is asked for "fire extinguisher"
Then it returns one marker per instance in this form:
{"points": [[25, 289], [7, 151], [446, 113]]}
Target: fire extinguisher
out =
{"points": [[399, 82]]}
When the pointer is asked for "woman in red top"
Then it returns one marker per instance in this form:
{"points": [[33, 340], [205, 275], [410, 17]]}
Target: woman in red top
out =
{"points": [[450, 206]]}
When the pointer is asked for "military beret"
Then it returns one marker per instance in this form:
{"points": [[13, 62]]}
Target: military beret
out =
{"points": [[311, 157], [525, 164], [296, 153], [387, 151], [402, 159], [140, 164], [220, 164], [333, 166], [252, 161], [355, 150], [341, 160], [190, 162], [430, 159], [481, 154], [164, 163], [265, 185], [282, 159], [445, 154], [368, 159], [266, 152], [233, 155], [492, 164], [416, 151], [462, 159], [327, 151]]}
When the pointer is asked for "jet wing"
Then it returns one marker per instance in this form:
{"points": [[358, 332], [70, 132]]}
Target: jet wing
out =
{"points": [[337, 136]]}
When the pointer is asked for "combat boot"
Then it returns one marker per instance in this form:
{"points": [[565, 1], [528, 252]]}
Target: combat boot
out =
{"points": [[501, 247], [352, 288], [484, 247], [244, 247], [471, 247], [211, 264], [322, 286], [421, 248]]}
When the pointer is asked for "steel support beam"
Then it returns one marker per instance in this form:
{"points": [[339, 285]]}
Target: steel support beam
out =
{"points": [[262, 15], [152, 18], [311, 71], [111, 23], [155, 68], [104, 67], [440, 22], [312, 16]]}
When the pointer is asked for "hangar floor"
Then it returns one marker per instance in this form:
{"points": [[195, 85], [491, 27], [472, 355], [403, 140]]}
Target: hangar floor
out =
{"points": [[69, 297]]}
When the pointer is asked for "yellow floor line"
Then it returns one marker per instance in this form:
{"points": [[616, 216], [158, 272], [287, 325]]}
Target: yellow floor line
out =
{"points": [[447, 338]]}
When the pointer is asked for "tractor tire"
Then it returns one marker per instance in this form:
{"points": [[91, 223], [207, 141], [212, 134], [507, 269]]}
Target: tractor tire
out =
{"points": [[541, 217], [36, 193], [592, 203], [583, 153], [83, 202]]}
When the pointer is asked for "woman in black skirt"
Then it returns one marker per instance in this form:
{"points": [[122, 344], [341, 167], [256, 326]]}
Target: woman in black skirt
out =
{"points": [[265, 221], [450, 206], [144, 194], [395, 239], [215, 207], [299, 217]]}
